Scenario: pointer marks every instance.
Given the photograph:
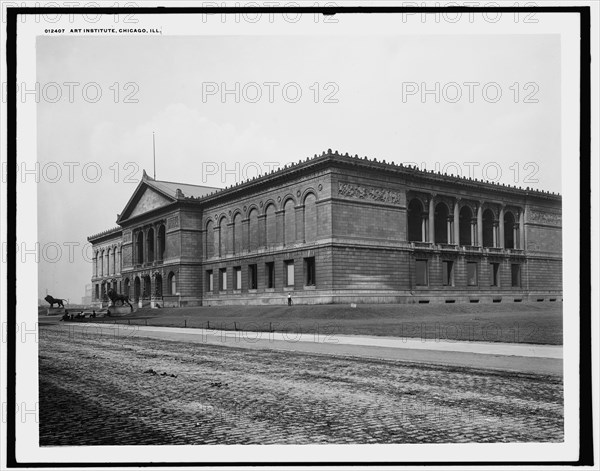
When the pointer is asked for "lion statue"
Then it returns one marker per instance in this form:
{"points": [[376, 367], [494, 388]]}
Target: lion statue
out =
{"points": [[114, 297], [52, 301]]}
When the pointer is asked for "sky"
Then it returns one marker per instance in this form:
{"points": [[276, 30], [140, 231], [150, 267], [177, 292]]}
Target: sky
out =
{"points": [[296, 96]]}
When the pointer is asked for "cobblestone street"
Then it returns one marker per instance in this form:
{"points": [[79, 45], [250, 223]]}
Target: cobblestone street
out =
{"points": [[101, 390]]}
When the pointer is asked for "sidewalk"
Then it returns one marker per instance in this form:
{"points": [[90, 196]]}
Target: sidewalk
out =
{"points": [[525, 358]]}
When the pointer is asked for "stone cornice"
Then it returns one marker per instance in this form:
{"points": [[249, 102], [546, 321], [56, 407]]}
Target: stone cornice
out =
{"points": [[335, 159], [104, 235]]}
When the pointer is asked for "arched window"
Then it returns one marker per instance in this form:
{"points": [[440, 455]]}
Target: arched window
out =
{"points": [[150, 245], [488, 228], [101, 263], [172, 283], [137, 289], [509, 236], [147, 287], [238, 241], [139, 247], [223, 237], [465, 218], [162, 237], [441, 223], [158, 290], [289, 221], [271, 226], [253, 229], [210, 240], [415, 224], [310, 218], [109, 270]]}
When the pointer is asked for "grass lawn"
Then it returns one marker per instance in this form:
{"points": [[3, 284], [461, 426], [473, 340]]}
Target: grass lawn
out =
{"points": [[537, 323]]}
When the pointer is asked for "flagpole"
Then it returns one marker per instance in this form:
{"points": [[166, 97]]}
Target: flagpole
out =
{"points": [[154, 154]]}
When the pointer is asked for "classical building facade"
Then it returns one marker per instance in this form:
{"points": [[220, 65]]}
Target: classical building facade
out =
{"points": [[333, 229]]}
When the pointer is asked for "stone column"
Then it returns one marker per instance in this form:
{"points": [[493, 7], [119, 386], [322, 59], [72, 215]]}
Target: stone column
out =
{"points": [[300, 223], [106, 264], [95, 265], [501, 227], [449, 229], [522, 244], [118, 261], [473, 231], [431, 220], [517, 242], [456, 222], [480, 225], [145, 244], [134, 255], [495, 233], [156, 227], [424, 227]]}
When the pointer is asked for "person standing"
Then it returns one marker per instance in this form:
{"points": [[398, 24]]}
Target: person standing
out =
{"points": [[289, 299]]}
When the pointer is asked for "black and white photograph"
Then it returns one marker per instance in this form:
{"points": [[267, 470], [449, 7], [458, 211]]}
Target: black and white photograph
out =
{"points": [[359, 234]]}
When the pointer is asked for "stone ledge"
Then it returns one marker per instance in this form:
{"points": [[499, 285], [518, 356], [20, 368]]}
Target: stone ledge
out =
{"points": [[116, 311]]}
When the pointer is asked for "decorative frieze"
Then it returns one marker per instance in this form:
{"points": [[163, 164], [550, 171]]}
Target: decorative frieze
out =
{"points": [[173, 222], [552, 219], [352, 190], [126, 237]]}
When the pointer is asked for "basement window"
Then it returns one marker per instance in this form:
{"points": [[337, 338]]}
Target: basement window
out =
{"points": [[289, 272], [237, 277], [447, 273], [270, 274], [209, 281], [223, 279], [253, 276], [421, 272], [472, 273], [515, 275], [309, 271], [494, 270]]}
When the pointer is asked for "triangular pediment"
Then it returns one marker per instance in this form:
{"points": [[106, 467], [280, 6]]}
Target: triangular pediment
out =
{"points": [[149, 200], [144, 200]]}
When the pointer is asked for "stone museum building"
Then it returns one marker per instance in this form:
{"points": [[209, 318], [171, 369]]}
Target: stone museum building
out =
{"points": [[333, 229]]}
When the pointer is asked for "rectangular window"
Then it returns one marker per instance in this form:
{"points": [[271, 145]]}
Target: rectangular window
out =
{"points": [[448, 273], [309, 271], [270, 274], [237, 271], [209, 277], [289, 272], [515, 275], [223, 279], [472, 273], [494, 270], [252, 276], [421, 267]]}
